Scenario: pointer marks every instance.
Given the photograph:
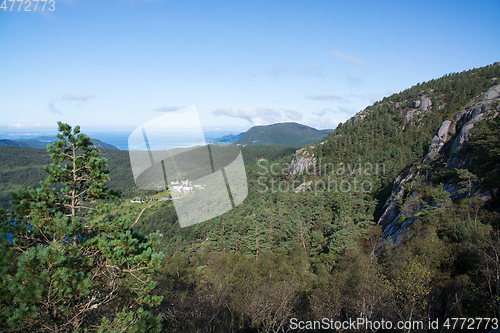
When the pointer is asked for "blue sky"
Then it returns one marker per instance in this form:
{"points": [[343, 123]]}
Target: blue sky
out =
{"points": [[110, 64]]}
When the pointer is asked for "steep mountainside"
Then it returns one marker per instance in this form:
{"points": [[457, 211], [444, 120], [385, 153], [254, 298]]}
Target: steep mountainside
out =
{"points": [[450, 150], [291, 134], [398, 130]]}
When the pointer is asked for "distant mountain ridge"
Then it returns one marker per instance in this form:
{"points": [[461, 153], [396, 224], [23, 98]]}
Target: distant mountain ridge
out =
{"points": [[226, 139], [290, 134], [43, 141]]}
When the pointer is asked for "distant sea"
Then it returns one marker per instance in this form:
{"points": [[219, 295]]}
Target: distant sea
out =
{"points": [[119, 139]]}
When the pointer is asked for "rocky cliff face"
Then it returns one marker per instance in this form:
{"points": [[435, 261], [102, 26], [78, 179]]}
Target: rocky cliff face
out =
{"points": [[484, 107], [443, 134], [445, 148], [417, 109], [303, 161]]}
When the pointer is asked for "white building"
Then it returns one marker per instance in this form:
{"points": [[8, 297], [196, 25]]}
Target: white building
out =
{"points": [[177, 188]]}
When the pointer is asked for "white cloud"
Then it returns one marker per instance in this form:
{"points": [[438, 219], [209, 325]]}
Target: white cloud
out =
{"points": [[260, 116], [168, 108], [79, 98], [321, 119], [345, 110], [313, 71], [68, 99], [244, 113], [358, 96], [351, 59], [330, 117], [387, 61], [293, 115], [277, 71], [374, 97], [45, 13], [211, 72], [322, 112], [53, 108], [323, 97], [17, 126], [348, 110], [322, 122], [353, 80]]}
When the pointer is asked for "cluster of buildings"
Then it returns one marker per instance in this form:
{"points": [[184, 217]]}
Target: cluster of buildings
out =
{"points": [[184, 186], [144, 200]]}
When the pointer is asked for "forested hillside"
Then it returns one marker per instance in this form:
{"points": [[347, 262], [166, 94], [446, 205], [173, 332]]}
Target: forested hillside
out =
{"points": [[321, 248], [23, 167], [308, 241], [291, 134], [226, 139]]}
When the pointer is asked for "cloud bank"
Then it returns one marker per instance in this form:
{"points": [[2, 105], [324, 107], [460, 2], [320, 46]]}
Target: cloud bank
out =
{"points": [[168, 108], [324, 97], [68, 99], [351, 59], [260, 116]]}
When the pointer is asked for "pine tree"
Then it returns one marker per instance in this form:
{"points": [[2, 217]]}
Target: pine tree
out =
{"points": [[64, 268]]}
